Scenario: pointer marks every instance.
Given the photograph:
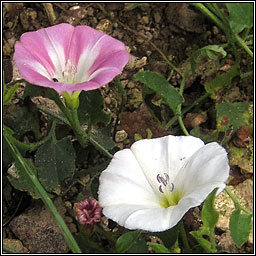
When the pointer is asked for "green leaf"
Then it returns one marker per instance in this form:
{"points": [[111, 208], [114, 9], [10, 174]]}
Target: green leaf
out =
{"points": [[240, 227], [32, 90], [209, 215], [158, 248], [22, 120], [127, 241], [220, 81], [206, 245], [169, 237], [9, 94], [55, 161], [90, 109], [232, 114], [209, 51], [102, 136], [210, 137], [161, 86], [240, 16], [20, 179]]}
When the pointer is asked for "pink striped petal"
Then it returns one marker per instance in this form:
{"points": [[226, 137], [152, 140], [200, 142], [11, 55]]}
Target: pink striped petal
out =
{"points": [[80, 58]]}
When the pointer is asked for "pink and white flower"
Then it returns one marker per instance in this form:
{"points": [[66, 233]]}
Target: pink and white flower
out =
{"points": [[68, 59], [154, 183]]}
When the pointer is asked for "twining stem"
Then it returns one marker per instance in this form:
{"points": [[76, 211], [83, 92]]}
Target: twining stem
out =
{"points": [[179, 114], [33, 146], [234, 199], [44, 195]]}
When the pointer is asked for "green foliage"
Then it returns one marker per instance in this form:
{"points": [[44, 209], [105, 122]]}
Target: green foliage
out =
{"points": [[102, 136], [169, 237], [7, 95], [232, 114], [32, 90], [131, 242], [55, 161], [22, 120], [158, 248], [209, 217], [162, 87], [210, 51], [20, 179], [240, 227], [240, 16], [213, 136], [137, 136], [220, 81], [90, 109]]}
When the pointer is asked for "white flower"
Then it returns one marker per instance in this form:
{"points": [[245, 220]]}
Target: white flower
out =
{"points": [[154, 183]]}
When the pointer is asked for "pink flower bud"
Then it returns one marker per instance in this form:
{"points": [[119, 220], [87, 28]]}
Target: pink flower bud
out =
{"points": [[88, 211]]}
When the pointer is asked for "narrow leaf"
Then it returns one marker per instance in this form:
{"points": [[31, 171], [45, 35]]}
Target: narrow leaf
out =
{"points": [[8, 96], [161, 86], [209, 215]]}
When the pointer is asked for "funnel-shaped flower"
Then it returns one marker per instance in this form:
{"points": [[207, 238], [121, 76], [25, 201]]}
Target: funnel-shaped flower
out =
{"points": [[154, 183], [68, 59]]}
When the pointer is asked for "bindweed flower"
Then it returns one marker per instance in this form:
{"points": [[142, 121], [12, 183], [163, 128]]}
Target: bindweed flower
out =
{"points": [[69, 59], [88, 212], [154, 183]]}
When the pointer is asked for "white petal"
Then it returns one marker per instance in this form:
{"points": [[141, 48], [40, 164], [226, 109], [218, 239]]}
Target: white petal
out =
{"points": [[123, 182], [208, 166], [164, 155]]}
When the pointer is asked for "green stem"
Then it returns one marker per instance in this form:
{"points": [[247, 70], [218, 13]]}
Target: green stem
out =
{"points": [[101, 148], [244, 45], [79, 132], [234, 199], [52, 114], [183, 236], [33, 146], [185, 110], [225, 27], [179, 114], [44, 195], [206, 11], [82, 136]]}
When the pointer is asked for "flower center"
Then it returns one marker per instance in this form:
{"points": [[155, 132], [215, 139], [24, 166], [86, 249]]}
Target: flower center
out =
{"points": [[170, 195], [68, 75]]}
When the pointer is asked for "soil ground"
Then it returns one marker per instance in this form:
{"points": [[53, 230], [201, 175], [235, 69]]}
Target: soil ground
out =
{"points": [[152, 32]]}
